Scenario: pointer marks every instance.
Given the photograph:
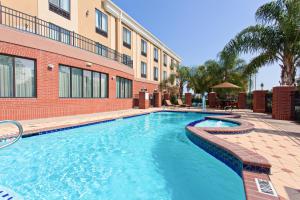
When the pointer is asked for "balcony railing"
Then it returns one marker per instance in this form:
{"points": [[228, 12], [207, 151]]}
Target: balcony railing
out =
{"points": [[24, 22]]}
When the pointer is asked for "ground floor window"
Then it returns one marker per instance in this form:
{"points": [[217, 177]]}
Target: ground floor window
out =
{"points": [[17, 77], [124, 88], [79, 83]]}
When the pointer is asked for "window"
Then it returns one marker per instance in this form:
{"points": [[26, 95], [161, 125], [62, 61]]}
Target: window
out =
{"points": [[165, 75], [101, 23], [126, 38], [155, 75], [61, 7], [78, 83], [127, 60], [124, 88], [143, 70], [104, 85], [155, 54], [87, 84], [165, 60], [59, 34], [101, 50], [17, 77], [144, 48], [64, 81], [96, 85]]}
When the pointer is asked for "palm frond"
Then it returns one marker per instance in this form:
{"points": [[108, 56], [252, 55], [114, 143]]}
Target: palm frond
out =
{"points": [[259, 61]]}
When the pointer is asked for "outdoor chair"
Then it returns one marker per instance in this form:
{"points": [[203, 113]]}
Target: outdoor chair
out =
{"points": [[181, 104]]}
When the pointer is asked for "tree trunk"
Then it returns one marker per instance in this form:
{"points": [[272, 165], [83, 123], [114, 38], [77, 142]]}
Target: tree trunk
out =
{"points": [[181, 89], [288, 71]]}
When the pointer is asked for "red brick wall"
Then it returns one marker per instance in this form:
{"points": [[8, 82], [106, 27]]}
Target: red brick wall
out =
{"points": [[188, 99], [242, 104], [47, 103], [259, 101], [157, 99], [138, 85], [212, 99], [283, 103]]}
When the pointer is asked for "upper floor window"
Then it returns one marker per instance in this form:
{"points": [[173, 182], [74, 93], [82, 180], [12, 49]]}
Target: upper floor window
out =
{"points": [[101, 23], [165, 76], [17, 77], [143, 70], [144, 48], [61, 7], [127, 60], [126, 37], [165, 60], [155, 54], [155, 75]]}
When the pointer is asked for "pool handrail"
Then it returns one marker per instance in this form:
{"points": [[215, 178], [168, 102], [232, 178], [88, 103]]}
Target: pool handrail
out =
{"points": [[20, 134]]}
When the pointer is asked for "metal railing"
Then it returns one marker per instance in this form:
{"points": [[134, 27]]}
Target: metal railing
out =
{"points": [[20, 133], [28, 23]]}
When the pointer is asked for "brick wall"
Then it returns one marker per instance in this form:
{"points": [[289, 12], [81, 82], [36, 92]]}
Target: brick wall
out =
{"points": [[283, 103], [242, 100], [188, 99], [212, 99], [259, 101], [138, 85], [47, 103]]}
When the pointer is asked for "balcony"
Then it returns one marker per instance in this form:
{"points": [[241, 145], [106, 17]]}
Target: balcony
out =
{"points": [[31, 24]]}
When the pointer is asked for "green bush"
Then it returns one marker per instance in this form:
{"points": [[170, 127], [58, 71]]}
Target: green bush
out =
{"points": [[173, 99]]}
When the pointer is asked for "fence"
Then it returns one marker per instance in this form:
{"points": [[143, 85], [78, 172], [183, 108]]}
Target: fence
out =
{"points": [[24, 22]]}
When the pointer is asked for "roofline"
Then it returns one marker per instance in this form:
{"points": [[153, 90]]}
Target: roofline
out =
{"points": [[117, 12]]}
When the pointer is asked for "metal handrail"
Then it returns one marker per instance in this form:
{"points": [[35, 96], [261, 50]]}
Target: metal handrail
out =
{"points": [[20, 134]]}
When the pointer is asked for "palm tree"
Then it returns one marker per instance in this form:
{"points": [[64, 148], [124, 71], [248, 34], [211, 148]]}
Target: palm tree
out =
{"points": [[183, 77], [228, 67], [275, 38]]}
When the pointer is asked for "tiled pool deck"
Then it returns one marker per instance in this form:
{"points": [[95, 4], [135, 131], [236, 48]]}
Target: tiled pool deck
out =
{"points": [[277, 141]]}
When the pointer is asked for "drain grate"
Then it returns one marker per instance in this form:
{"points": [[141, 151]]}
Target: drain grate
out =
{"points": [[265, 187]]}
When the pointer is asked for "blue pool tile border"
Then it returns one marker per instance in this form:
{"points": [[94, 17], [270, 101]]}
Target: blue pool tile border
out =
{"points": [[220, 154]]}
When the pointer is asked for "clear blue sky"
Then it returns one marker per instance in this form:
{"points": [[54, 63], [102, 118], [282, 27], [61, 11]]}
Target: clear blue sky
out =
{"points": [[197, 30]]}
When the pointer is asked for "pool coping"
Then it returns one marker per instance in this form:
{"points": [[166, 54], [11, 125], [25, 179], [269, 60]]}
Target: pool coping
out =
{"points": [[235, 150]]}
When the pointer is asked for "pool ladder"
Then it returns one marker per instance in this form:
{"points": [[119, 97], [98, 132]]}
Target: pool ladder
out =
{"points": [[20, 134]]}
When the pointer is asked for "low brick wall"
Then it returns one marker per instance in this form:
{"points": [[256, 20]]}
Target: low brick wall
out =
{"points": [[242, 100], [188, 99], [212, 100], [283, 103], [259, 101]]}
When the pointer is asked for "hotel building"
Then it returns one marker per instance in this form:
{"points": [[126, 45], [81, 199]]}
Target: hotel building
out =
{"points": [[68, 57]]}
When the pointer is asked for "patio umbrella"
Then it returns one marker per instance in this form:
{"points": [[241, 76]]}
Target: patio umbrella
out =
{"points": [[226, 85]]}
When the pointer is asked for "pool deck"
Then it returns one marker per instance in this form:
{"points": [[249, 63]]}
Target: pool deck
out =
{"points": [[277, 141]]}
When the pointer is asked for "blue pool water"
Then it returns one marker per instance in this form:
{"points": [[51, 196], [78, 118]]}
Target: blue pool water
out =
{"points": [[215, 123], [142, 158]]}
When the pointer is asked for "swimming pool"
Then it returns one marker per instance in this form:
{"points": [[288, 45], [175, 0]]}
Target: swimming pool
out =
{"points": [[145, 157]]}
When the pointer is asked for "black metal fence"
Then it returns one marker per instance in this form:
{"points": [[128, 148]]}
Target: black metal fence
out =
{"points": [[269, 97], [24, 22]]}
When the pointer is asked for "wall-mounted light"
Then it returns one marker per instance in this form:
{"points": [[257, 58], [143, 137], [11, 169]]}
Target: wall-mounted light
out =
{"points": [[50, 66], [88, 64], [113, 78]]}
